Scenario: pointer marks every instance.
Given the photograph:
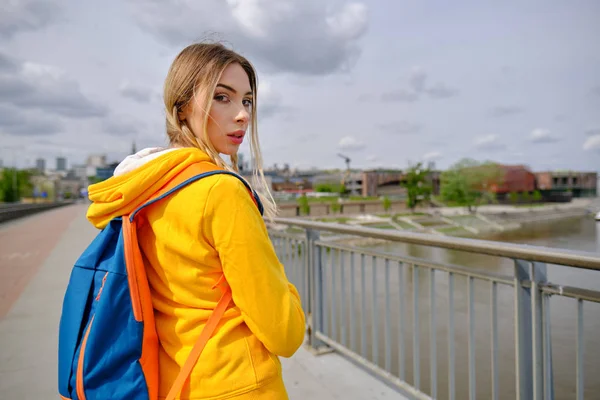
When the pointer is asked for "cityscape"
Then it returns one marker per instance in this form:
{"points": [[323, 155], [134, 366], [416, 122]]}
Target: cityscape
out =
{"points": [[434, 226], [61, 180]]}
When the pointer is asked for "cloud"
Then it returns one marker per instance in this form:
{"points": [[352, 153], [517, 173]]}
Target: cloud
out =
{"points": [[46, 88], [417, 79], [417, 82], [14, 121], [8, 64], [560, 118], [432, 156], [540, 135], [401, 127], [312, 37], [505, 111], [27, 16], [372, 158], [351, 143], [139, 93], [596, 90], [270, 101], [400, 96], [441, 91], [592, 143], [592, 132], [489, 142], [122, 125]]}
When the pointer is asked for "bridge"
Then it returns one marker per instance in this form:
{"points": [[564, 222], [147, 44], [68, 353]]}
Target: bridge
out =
{"points": [[369, 314]]}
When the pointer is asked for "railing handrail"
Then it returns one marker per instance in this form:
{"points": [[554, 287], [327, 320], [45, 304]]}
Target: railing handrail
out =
{"points": [[578, 259]]}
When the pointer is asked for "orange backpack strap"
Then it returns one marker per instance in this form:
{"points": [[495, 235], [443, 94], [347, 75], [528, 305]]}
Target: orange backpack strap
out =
{"points": [[206, 334]]}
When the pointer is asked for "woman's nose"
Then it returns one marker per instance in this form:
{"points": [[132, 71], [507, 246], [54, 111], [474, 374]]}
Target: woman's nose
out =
{"points": [[242, 117]]}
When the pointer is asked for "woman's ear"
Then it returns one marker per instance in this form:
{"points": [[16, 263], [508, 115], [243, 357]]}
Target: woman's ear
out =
{"points": [[183, 113]]}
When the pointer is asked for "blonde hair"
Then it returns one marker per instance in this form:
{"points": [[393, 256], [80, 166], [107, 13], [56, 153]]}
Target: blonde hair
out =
{"points": [[194, 74]]}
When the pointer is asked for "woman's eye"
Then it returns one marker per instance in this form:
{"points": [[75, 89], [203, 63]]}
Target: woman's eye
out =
{"points": [[247, 103], [221, 98]]}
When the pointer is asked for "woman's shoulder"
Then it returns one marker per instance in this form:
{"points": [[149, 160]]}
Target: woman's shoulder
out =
{"points": [[220, 185]]}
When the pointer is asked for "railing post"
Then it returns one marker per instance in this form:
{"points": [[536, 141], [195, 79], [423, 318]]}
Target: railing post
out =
{"points": [[538, 275], [315, 289], [523, 331], [532, 333], [542, 346]]}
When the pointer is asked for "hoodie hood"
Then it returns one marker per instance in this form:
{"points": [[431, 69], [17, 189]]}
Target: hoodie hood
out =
{"points": [[136, 179]]}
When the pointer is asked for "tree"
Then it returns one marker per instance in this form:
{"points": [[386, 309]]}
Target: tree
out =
{"points": [[15, 184], [418, 187], [469, 183], [329, 188], [513, 197], [537, 196]]}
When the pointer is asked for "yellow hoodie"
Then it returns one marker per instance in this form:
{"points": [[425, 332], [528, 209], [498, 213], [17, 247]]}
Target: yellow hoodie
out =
{"points": [[209, 228]]}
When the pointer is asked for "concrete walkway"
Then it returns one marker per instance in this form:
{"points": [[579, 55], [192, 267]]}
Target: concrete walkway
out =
{"points": [[28, 335]]}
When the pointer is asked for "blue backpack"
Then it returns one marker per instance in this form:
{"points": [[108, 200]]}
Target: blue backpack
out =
{"points": [[108, 346]]}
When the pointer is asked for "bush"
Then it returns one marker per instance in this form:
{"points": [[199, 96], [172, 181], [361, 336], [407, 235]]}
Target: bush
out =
{"points": [[387, 203], [304, 206]]}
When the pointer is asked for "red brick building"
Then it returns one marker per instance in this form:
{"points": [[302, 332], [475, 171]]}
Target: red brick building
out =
{"points": [[514, 178]]}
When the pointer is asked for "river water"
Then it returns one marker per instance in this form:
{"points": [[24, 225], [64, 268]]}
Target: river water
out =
{"points": [[581, 234]]}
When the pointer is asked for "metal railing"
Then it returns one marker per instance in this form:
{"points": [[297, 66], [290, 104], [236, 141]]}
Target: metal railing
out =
{"points": [[357, 303], [10, 211]]}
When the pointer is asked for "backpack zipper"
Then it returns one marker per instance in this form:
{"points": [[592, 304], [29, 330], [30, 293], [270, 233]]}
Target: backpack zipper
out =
{"points": [[79, 379]]}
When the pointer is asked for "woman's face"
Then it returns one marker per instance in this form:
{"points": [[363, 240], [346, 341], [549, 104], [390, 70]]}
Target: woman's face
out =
{"points": [[229, 112]]}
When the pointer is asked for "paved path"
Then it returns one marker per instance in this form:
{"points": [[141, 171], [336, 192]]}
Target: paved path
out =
{"points": [[31, 292]]}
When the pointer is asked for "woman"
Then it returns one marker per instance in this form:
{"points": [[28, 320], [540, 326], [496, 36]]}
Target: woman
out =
{"points": [[209, 229]]}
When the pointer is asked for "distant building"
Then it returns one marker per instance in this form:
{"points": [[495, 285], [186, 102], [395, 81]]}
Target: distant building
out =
{"points": [[40, 165], [106, 172], [80, 172], [61, 164], [580, 184], [514, 179], [96, 161]]}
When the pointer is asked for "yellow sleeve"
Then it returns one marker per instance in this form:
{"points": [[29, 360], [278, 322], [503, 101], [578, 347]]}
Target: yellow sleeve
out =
{"points": [[269, 303]]}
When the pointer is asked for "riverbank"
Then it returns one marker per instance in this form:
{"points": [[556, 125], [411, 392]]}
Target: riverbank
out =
{"points": [[452, 221]]}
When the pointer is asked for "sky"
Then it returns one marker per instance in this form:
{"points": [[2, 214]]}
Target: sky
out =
{"points": [[386, 83]]}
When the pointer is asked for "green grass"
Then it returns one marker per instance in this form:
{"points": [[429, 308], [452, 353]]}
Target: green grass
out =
{"points": [[454, 230], [404, 225], [380, 226], [360, 198], [409, 214], [431, 222], [340, 220], [335, 199], [531, 205], [322, 199]]}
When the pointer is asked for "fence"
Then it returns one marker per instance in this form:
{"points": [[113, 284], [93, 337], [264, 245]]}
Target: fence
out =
{"points": [[10, 211], [357, 302]]}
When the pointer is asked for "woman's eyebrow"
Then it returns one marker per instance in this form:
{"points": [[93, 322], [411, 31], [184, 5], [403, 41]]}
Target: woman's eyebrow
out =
{"points": [[224, 86]]}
